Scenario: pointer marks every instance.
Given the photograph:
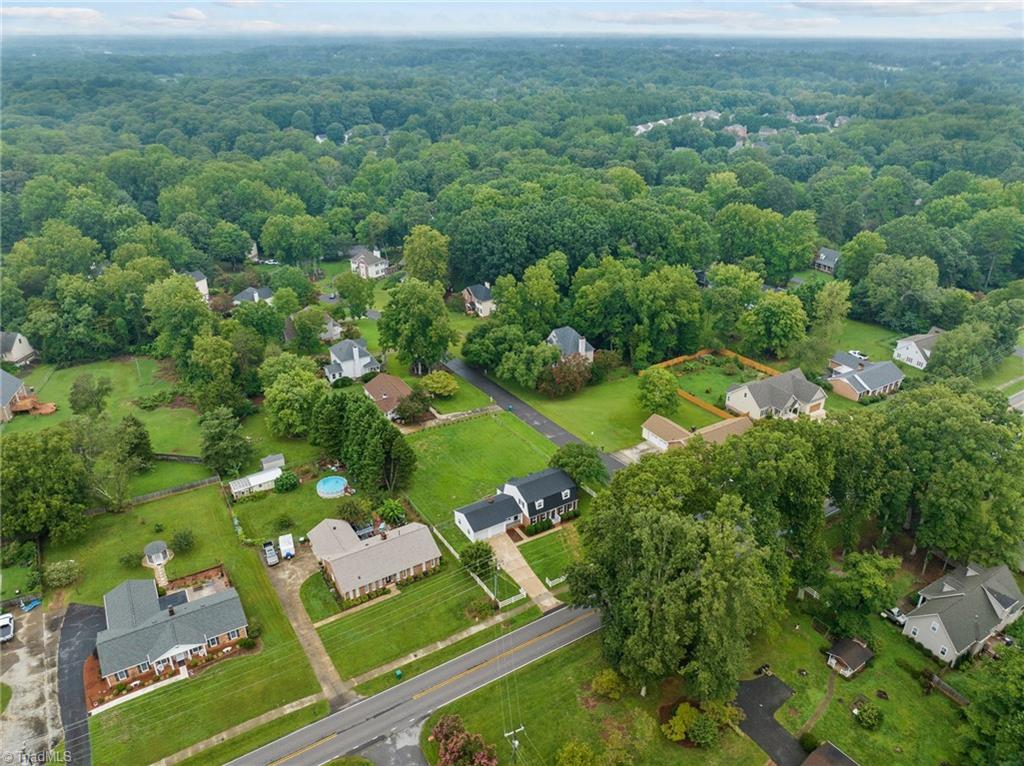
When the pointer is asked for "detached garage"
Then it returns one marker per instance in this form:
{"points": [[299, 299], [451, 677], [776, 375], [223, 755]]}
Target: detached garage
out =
{"points": [[488, 517]]}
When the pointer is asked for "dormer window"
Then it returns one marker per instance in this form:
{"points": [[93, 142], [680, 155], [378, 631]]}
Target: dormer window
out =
{"points": [[538, 505], [565, 494]]}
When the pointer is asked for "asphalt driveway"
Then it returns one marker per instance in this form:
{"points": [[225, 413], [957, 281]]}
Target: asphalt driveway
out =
{"points": [[77, 642], [28, 665], [759, 699], [546, 427]]}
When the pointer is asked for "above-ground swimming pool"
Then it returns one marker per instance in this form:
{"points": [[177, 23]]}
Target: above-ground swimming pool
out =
{"points": [[332, 486]]}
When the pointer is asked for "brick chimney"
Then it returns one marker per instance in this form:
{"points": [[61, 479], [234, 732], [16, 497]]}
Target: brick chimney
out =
{"points": [[582, 343]]}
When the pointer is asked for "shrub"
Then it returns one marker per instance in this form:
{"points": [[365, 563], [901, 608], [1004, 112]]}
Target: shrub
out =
{"points": [[16, 554], [539, 526], [605, 362], [703, 732], [129, 559], [153, 401], [34, 579], [722, 713], [342, 383], [869, 716], [575, 753], [809, 742], [478, 558], [441, 384], [183, 541], [608, 684], [158, 527], [283, 523], [731, 368], [481, 607], [393, 512], [247, 643], [286, 482], [60, 574], [254, 630], [457, 746], [677, 726]]}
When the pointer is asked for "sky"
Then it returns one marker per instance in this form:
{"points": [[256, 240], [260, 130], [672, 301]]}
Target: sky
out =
{"points": [[729, 18]]}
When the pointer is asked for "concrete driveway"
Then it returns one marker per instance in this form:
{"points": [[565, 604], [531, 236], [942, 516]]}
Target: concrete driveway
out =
{"points": [[511, 560], [28, 664], [77, 641], [759, 699]]}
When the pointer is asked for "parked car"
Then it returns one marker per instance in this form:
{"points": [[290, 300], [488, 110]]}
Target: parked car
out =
{"points": [[270, 554], [858, 354], [6, 627], [895, 616]]}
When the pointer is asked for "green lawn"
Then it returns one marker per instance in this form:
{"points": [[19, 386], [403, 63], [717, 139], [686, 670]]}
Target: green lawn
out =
{"points": [[13, 579], [813, 275], [710, 383], [171, 429], [165, 721], [303, 506], [5, 697], [295, 451], [316, 596], [607, 415], [1011, 368], [550, 555], [556, 689], [258, 737], [424, 612], [432, 660], [468, 460], [165, 474]]}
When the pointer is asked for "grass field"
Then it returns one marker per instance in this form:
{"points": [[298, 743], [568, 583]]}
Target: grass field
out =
{"points": [[165, 721], [303, 507], [550, 555], [5, 697], [424, 612], [13, 579], [710, 383], [316, 596], [468, 460], [432, 660], [607, 415], [555, 689], [165, 474], [258, 737], [170, 429], [1011, 368], [295, 451]]}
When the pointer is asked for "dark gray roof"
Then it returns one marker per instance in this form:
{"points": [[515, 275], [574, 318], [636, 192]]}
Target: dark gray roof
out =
{"points": [[251, 293], [138, 630], [197, 275], [852, 652], [363, 253], [489, 511], [777, 392], [847, 359], [7, 341], [543, 484], [827, 257], [567, 340], [343, 349], [480, 292], [873, 377], [9, 387], [155, 547], [828, 754], [967, 600]]}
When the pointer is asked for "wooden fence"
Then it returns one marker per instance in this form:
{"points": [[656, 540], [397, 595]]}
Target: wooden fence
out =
{"points": [[746, 361], [706, 406], [946, 689]]}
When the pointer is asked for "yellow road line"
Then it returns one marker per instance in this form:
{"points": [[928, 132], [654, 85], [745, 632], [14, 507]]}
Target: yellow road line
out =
{"points": [[494, 659], [305, 749]]}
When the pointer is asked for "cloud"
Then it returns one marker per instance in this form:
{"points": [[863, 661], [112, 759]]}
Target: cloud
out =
{"points": [[187, 14], [732, 20], [907, 7], [49, 13]]}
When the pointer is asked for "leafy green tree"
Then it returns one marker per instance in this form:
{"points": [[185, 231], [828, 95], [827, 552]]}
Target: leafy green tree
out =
{"points": [[177, 314], [425, 253], [291, 401], [88, 395], [657, 391], [863, 589], [133, 445], [478, 558], [994, 732], [582, 462], [997, 242], [329, 430], [355, 294], [532, 303], [415, 324], [415, 405], [286, 303], [283, 364], [566, 376], [59, 249], [828, 318], [629, 183], [488, 343], [776, 324], [295, 279], [308, 325], [393, 512], [575, 753], [526, 364], [212, 375], [858, 256], [224, 447], [262, 317], [681, 722], [229, 243], [731, 291], [441, 384], [903, 293]]}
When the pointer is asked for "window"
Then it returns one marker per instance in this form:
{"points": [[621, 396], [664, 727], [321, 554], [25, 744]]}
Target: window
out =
{"points": [[121, 675], [143, 667], [913, 632], [565, 494], [232, 635], [935, 627], [943, 651], [213, 641], [538, 505]]}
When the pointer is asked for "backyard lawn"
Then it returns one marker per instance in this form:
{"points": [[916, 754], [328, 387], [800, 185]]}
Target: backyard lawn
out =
{"points": [[165, 474], [265, 518], [171, 429], [295, 451], [465, 461], [556, 689], [709, 382], [423, 612], [165, 721], [13, 579], [549, 556], [607, 415]]}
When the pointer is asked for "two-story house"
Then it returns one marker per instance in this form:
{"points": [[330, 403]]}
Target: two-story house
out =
{"points": [[350, 359]]}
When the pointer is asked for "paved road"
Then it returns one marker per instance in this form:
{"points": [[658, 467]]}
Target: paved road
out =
{"points": [[546, 427], [382, 716], [77, 642]]}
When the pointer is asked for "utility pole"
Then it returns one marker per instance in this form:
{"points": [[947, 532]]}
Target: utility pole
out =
{"points": [[511, 737]]}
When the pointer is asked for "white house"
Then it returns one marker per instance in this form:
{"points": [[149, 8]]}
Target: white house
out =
{"points": [[254, 295], [350, 359], [488, 517], [369, 264], [261, 481], [784, 396], [201, 284], [916, 350], [478, 299], [661, 433], [569, 342], [15, 348], [543, 495]]}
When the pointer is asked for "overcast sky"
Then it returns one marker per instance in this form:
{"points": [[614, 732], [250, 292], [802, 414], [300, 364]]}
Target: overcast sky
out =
{"points": [[764, 18]]}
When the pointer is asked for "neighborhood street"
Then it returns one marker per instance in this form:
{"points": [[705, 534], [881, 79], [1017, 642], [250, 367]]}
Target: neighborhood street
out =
{"points": [[548, 428], [391, 713]]}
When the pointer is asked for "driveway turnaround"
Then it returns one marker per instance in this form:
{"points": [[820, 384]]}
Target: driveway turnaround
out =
{"points": [[546, 427], [400, 709], [759, 699], [77, 642]]}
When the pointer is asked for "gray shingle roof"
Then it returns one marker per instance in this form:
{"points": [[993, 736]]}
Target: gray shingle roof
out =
{"points": [[827, 257], [567, 340], [363, 562], [250, 294], [364, 254], [853, 653], [924, 340], [343, 349], [9, 387], [967, 599], [873, 377], [480, 292], [138, 630], [847, 359], [777, 392], [546, 485], [154, 548], [489, 511], [197, 275], [7, 341]]}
